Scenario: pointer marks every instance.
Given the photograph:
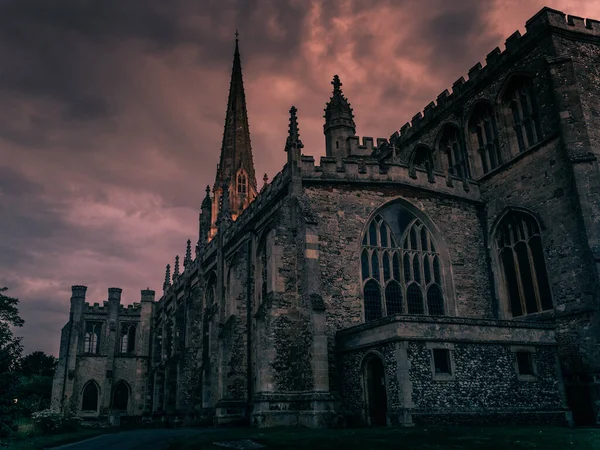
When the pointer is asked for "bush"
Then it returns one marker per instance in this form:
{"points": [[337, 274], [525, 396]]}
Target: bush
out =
{"points": [[49, 421]]}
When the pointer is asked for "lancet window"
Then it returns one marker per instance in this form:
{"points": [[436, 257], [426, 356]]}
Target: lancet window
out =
{"points": [[91, 341], [522, 114], [523, 268], [484, 137]]}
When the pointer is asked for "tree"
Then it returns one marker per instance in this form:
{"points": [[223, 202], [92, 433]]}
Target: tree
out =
{"points": [[35, 386], [38, 363], [10, 352]]}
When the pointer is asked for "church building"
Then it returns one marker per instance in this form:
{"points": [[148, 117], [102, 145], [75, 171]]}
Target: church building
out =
{"points": [[448, 274]]}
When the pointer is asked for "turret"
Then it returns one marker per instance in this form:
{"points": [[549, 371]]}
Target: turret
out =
{"points": [[339, 123], [114, 294]]}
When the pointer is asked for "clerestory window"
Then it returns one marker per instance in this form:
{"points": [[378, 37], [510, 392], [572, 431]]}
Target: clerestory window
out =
{"points": [[521, 114], [91, 341], [127, 341], [451, 145], [484, 137]]}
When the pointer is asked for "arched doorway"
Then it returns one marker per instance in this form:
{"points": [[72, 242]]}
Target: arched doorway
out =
{"points": [[121, 396], [375, 391], [89, 401]]}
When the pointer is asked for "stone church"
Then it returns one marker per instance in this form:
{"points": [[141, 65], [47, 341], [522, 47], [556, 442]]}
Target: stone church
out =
{"points": [[448, 274]]}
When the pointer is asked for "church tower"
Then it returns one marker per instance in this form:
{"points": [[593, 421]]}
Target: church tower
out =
{"points": [[236, 166], [339, 123]]}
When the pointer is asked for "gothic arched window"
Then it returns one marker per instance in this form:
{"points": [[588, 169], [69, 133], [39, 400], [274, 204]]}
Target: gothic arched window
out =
{"points": [[451, 145], [483, 135], [89, 397], [120, 396], [91, 341], [211, 287], [521, 114], [399, 278], [241, 183], [521, 258], [127, 341], [422, 157]]}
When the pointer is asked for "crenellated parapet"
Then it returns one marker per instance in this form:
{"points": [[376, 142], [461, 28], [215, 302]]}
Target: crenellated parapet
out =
{"points": [[544, 21], [366, 148], [372, 172]]}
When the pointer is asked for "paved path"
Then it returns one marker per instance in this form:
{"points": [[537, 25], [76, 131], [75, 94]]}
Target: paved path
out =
{"points": [[156, 439]]}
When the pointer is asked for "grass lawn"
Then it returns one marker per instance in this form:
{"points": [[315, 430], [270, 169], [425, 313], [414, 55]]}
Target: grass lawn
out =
{"points": [[423, 438], [28, 438]]}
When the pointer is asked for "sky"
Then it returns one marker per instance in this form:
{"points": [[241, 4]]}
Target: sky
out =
{"points": [[112, 115]]}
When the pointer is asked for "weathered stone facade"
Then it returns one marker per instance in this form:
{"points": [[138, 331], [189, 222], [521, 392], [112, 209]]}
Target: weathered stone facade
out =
{"points": [[448, 274]]}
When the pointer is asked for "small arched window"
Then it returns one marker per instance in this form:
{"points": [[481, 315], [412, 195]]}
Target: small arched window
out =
{"points": [[521, 114], [242, 183], [89, 400], [211, 287], [450, 143], [523, 268], [396, 278], [483, 135], [91, 341], [120, 396], [127, 341], [422, 157]]}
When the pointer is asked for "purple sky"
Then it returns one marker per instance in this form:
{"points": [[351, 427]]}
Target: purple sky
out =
{"points": [[111, 117]]}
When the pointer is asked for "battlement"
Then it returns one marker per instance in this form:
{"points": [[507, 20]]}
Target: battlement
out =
{"points": [[543, 20], [364, 149], [370, 171]]}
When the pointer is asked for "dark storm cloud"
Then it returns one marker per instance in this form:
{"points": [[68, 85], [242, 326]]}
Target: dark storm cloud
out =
{"points": [[112, 112]]}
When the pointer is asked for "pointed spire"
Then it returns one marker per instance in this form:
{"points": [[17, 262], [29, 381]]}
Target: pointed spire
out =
{"points": [[188, 254], [167, 282], [265, 181], [176, 271], [236, 149], [339, 123]]}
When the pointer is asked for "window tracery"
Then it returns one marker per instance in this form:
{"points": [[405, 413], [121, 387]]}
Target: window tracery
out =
{"points": [[397, 278], [450, 143], [91, 342], [127, 342], [523, 268], [484, 137], [522, 114]]}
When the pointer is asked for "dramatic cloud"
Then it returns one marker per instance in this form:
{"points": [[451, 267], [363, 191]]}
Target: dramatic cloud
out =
{"points": [[112, 114]]}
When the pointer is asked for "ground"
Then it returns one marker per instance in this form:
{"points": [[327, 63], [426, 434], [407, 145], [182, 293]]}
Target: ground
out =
{"points": [[422, 438]]}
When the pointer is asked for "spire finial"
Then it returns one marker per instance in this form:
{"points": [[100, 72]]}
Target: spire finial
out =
{"points": [[167, 282], [237, 35], [294, 131], [188, 253], [176, 270], [337, 84], [265, 179], [225, 209]]}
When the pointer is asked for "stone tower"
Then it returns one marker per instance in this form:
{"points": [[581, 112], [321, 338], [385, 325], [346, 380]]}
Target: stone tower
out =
{"points": [[236, 166], [339, 123]]}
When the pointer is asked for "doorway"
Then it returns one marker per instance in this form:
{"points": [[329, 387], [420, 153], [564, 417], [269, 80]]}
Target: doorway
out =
{"points": [[375, 390]]}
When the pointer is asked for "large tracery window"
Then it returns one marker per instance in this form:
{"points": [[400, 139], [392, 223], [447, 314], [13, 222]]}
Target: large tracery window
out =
{"points": [[401, 269], [522, 114], [521, 258], [91, 341], [451, 145], [484, 136]]}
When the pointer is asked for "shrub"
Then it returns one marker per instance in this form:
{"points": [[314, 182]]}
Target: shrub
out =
{"points": [[49, 421]]}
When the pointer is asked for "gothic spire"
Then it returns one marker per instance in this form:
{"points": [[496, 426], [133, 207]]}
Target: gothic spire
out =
{"points": [[236, 150], [207, 202]]}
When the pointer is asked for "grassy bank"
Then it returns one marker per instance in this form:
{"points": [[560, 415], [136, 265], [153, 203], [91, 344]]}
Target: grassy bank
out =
{"points": [[429, 438]]}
